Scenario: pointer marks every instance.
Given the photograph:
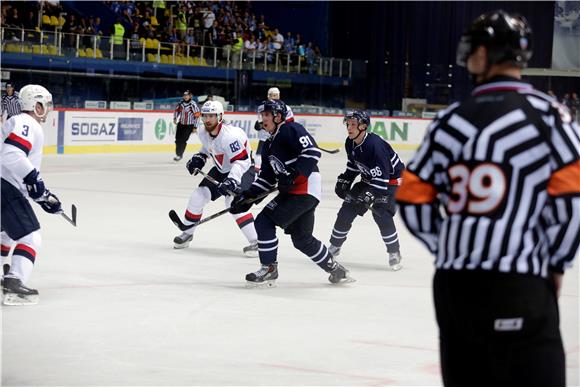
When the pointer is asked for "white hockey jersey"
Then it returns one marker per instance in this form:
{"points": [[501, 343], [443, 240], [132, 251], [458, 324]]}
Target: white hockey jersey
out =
{"points": [[230, 150], [264, 135], [23, 140]]}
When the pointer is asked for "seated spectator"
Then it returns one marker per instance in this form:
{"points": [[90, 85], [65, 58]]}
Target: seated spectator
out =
{"points": [[277, 39], [190, 37], [289, 43]]}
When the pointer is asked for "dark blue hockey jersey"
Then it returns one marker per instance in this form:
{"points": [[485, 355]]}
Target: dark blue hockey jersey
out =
{"points": [[290, 147], [375, 160]]}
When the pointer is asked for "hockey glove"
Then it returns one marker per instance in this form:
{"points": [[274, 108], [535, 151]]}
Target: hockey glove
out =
{"points": [[240, 204], [229, 187], [258, 126], [50, 203], [196, 162], [286, 181], [34, 185], [342, 187], [364, 201]]}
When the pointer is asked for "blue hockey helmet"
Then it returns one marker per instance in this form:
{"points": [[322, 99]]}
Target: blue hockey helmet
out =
{"points": [[360, 115], [274, 106]]}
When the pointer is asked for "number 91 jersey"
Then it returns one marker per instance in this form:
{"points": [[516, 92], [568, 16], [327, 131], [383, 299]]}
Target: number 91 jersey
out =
{"points": [[230, 150], [23, 139]]}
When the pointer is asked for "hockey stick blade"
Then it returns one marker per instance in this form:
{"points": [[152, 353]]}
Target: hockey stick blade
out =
{"points": [[177, 221], [73, 218], [331, 151]]}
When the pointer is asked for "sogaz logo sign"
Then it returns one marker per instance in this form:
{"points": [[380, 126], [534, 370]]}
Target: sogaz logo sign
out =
{"points": [[162, 130], [93, 128]]}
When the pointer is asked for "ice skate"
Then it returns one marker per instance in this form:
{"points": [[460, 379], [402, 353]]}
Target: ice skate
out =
{"points": [[5, 270], [264, 277], [334, 251], [339, 275], [182, 241], [177, 158], [395, 261], [15, 293], [251, 251]]}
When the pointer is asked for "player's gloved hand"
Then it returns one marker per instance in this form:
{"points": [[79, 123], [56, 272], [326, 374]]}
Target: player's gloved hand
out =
{"points": [[286, 181], [50, 203], [240, 204], [342, 187], [196, 162], [258, 126], [34, 185], [229, 187], [364, 201]]}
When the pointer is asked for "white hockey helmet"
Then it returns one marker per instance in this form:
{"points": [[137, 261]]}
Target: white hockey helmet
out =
{"points": [[213, 107], [273, 93], [30, 95]]}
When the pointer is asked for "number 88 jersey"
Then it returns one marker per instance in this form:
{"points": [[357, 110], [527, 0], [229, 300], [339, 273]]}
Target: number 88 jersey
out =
{"points": [[505, 167]]}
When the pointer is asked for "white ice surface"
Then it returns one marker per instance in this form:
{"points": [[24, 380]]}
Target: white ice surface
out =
{"points": [[119, 306]]}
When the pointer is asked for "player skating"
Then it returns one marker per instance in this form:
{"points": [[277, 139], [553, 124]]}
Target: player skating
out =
{"points": [[21, 159], [230, 151], [380, 168], [291, 163]]}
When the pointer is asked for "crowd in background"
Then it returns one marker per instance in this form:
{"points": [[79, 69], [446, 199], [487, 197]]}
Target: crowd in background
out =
{"points": [[570, 100], [222, 24]]}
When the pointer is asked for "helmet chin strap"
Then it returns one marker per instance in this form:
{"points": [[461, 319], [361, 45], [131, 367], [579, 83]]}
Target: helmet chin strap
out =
{"points": [[359, 133]]}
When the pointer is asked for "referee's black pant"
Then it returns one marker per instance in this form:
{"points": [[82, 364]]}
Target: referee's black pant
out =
{"points": [[497, 330], [181, 136]]}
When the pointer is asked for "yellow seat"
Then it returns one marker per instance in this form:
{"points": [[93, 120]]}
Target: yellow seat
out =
{"points": [[165, 59], [52, 50], [54, 21], [195, 61], [82, 53], [154, 21], [36, 49], [99, 53], [203, 62], [155, 43], [45, 20], [61, 21], [26, 49], [90, 53]]}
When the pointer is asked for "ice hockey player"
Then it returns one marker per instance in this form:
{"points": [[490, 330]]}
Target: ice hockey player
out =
{"points": [[380, 168], [291, 162], [263, 135], [21, 158], [230, 150]]}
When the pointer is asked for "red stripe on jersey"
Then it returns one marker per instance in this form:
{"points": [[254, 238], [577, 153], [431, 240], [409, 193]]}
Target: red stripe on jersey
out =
{"points": [[300, 186], [219, 159], [565, 181], [244, 218], [241, 155], [28, 249], [414, 190], [291, 119], [21, 141]]}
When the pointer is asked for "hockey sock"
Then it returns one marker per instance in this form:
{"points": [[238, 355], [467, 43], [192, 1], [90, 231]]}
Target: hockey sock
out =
{"points": [[315, 250], [342, 225], [388, 232], [24, 256], [245, 222], [197, 201], [267, 240]]}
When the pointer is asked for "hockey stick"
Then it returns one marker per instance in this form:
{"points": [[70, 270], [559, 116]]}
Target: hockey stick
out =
{"points": [[182, 226], [73, 218], [331, 151], [211, 179], [373, 210]]}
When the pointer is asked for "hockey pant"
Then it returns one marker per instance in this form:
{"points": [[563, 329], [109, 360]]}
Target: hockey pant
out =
{"points": [[383, 218], [207, 192], [295, 215]]}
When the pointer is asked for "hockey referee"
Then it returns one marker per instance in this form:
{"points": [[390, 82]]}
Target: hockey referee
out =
{"points": [[494, 193], [10, 102], [185, 116]]}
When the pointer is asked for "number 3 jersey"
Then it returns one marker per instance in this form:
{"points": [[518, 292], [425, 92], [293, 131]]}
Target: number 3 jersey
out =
{"points": [[23, 139], [230, 150], [376, 161], [495, 185]]}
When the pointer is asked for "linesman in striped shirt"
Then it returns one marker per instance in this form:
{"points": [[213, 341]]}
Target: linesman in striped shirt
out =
{"points": [[10, 102], [494, 194], [185, 116]]}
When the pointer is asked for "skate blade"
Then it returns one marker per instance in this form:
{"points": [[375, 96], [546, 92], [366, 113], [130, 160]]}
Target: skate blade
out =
{"points": [[16, 299], [179, 246], [396, 267], [251, 254], [261, 285], [346, 280]]}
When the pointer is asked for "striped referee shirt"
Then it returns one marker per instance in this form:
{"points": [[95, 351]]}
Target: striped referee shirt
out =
{"points": [[495, 185], [10, 104], [187, 113]]}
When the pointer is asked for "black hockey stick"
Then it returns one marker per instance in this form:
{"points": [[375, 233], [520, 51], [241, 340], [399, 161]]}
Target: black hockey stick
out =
{"points": [[211, 179], [182, 226], [73, 218], [331, 151], [353, 199]]}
